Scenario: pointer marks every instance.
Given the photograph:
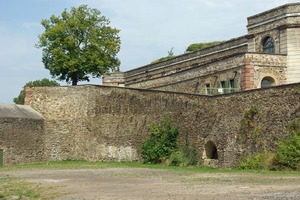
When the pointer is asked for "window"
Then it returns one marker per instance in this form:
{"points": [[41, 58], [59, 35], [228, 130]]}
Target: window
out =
{"points": [[268, 45], [207, 89], [223, 84], [267, 82], [232, 85], [224, 87]]}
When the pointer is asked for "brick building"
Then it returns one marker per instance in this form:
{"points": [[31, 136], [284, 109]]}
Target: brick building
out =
{"points": [[268, 55]]}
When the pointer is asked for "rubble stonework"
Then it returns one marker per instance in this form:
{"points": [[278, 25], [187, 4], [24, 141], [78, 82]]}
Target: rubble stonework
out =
{"points": [[194, 71], [110, 123]]}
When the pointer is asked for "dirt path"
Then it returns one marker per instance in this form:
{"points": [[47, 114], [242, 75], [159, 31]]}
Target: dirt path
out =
{"points": [[136, 183]]}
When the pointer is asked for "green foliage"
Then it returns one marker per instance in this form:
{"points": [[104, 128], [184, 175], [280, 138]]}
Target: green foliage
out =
{"points": [[162, 146], [262, 161], [248, 126], [170, 55], [198, 46], [176, 159], [286, 156], [43, 82], [288, 150], [189, 153], [79, 43], [163, 141], [12, 188]]}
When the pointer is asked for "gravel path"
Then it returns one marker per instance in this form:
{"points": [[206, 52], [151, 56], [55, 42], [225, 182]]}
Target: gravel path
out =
{"points": [[140, 183]]}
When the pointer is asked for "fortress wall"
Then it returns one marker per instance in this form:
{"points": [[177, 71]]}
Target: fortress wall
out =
{"points": [[65, 110], [21, 135], [22, 140], [110, 123]]}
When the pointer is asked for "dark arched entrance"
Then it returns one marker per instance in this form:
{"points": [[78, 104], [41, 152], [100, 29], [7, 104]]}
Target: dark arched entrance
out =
{"points": [[211, 150]]}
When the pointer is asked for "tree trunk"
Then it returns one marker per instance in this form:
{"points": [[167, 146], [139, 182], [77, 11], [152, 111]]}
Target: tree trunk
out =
{"points": [[74, 78]]}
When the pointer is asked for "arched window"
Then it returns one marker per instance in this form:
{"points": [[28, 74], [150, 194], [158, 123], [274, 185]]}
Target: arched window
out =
{"points": [[267, 82], [268, 45]]}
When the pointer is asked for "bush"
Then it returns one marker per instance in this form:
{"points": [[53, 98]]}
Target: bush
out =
{"points": [[286, 156], [288, 150], [163, 141], [198, 46], [262, 161], [176, 159]]}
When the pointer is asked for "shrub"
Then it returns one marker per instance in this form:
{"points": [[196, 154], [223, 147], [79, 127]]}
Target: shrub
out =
{"points": [[288, 150], [198, 46], [262, 161], [176, 159], [189, 153], [163, 141], [286, 156]]}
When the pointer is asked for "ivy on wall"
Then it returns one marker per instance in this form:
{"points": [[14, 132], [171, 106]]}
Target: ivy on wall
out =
{"points": [[249, 129]]}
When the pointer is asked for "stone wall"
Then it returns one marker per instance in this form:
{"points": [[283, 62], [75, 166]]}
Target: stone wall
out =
{"points": [[110, 123], [21, 134]]}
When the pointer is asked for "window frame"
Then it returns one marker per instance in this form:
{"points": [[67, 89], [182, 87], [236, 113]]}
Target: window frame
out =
{"points": [[268, 45]]}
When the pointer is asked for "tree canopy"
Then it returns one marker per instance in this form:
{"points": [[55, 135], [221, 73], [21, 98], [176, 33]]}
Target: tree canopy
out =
{"points": [[79, 44], [43, 82]]}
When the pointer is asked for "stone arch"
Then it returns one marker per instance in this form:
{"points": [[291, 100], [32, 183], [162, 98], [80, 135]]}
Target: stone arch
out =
{"points": [[267, 81], [211, 150]]}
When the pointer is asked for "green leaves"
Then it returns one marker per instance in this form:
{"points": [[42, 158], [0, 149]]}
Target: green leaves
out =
{"points": [[198, 46], [163, 141], [288, 150], [42, 82], [79, 43]]}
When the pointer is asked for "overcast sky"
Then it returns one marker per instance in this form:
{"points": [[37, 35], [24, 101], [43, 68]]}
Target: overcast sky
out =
{"points": [[149, 29]]}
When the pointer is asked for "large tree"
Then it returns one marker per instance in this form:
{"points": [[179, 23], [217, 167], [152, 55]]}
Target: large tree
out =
{"points": [[79, 44], [43, 82]]}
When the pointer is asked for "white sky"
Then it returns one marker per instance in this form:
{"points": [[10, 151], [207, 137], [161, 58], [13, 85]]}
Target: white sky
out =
{"points": [[149, 29]]}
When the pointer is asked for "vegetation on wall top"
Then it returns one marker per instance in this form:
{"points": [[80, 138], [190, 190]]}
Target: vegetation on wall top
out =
{"points": [[198, 46], [170, 55]]}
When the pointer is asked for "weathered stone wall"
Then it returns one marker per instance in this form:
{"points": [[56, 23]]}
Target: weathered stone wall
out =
{"points": [[110, 123], [283, 25], [21, 134], [225, 56]]}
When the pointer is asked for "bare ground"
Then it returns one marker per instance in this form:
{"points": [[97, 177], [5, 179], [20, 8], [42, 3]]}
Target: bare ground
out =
{"points": [[140, 183]]}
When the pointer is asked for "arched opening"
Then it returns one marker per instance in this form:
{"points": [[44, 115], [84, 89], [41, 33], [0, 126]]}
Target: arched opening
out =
{"points": [[211, 150], [267, 82], [268, 45]]}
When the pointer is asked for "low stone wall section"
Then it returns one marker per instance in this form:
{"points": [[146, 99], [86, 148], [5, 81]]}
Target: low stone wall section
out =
{"points": [[21, 134]]}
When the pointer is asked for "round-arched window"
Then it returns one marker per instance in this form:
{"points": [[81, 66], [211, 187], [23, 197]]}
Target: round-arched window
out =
{"points": [[267, 82], [268, 45]]}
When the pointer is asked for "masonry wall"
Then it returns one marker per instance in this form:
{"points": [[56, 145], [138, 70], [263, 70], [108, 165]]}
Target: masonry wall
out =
{"points": [[21, 138], [110, 123]]}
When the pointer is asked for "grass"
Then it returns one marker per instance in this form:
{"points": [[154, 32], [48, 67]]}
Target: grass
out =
{"points": [[81, 164], [14, 188]]}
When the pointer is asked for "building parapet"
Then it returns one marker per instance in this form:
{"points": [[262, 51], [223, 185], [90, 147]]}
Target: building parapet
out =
{"points": [[224, 46], [114, 79], [278, 15]]}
